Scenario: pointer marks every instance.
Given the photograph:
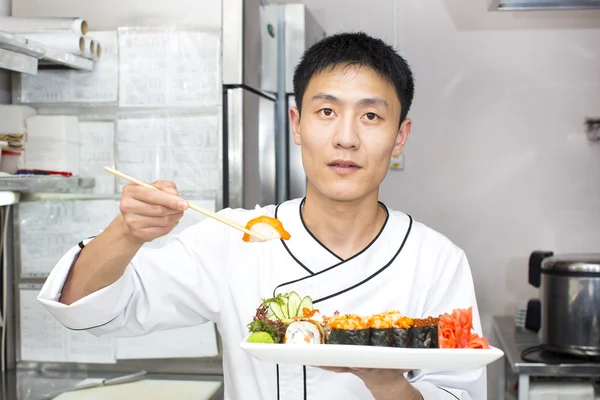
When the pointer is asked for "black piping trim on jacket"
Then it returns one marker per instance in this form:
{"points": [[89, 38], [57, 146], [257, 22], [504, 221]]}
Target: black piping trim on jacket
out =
{"points": [[81, 245], [289, 252], [304, 380], [311, 234], [343, 261], [277, 381], [91, 327], [350, 288], [450, 393], [374, 274]]}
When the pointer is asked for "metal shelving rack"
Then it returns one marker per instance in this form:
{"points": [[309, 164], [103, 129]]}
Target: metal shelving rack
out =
{"points": [[44, 183], [20, 54]]}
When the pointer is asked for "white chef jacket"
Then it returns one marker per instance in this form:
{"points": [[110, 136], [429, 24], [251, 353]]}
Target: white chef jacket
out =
{"points": [[207, 273]]}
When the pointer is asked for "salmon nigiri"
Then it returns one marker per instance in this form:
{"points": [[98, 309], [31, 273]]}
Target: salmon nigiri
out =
{"points": [[268, 227]]}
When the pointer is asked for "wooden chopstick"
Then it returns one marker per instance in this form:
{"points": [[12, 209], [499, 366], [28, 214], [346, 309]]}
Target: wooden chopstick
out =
{"points": [[204, 211]]}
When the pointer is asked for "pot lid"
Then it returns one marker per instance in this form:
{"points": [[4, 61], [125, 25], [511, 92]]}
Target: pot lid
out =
{"points": [[588, 263]]}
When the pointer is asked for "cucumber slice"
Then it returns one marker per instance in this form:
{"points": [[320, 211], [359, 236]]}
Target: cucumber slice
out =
{"points": [[284, 306], [305, 303], [293, 304], [277, 309], [270, 314]]}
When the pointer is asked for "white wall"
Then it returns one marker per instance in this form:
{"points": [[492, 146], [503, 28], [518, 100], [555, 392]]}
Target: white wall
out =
{"points": [[4, 75]]}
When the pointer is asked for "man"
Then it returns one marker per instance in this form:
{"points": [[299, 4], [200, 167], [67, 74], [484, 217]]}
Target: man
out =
{"points": [[347, 250]]}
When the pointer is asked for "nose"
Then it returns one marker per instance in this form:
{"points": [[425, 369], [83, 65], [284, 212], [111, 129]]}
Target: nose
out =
{"points": [[347, 134]]}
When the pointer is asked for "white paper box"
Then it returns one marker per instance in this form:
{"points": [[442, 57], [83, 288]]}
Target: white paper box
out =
{"points": [[54, 155], [13, 118], [55, 127]]}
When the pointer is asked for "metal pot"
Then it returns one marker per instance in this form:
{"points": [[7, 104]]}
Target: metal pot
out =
{"points": [[570, 301]]}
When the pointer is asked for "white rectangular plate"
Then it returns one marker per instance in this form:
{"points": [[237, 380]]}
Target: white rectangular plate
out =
{"points": [[334, 355]]}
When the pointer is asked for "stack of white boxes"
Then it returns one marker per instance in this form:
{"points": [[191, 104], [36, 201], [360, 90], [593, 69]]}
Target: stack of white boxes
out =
{"points": [[13, 119], [53, 143], [13, 130], [561, 391]]}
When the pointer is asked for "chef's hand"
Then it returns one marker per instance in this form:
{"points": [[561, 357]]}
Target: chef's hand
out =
{"points": [[149, 213], [383, 384]]}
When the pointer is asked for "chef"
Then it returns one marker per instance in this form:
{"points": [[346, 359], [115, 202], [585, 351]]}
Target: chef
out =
{"points": [[347, 250]]}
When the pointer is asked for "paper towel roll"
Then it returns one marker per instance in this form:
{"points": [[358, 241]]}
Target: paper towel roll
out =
{"points": [[67, 42], [89, 48], [19, 25]]}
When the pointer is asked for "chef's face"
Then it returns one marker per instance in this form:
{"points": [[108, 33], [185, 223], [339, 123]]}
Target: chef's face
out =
{"points": [[348, 130]]}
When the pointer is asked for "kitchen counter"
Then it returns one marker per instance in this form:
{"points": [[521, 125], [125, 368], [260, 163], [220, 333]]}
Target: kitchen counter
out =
{"points": [[513, 340], [32, 385]]}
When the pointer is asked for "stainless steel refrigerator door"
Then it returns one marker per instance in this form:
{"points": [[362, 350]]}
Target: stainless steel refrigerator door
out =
{"points": [[241, 42], [251, 149], [297, 177], [301, 31]]}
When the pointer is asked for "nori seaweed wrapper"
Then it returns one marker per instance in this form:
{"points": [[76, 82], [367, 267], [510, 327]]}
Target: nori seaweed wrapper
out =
{"points": [[424, 333], [350, 336], [400, 337], [381, 337]]}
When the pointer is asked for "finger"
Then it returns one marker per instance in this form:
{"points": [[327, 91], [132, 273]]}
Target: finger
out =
{"points": [[136, 221], [166, 186], [153, 196], [131, 205]]}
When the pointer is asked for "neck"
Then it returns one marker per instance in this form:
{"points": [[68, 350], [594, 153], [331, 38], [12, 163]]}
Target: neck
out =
{"points": [[345, 228]]}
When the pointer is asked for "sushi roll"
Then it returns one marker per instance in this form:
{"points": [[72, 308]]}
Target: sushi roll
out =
{"points": [[381, 326], [401, 332], [304, 331], [424, 333], [349, 329], [268, 227]]}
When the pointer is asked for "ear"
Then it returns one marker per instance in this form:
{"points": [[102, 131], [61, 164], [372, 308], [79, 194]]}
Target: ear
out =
{"points": [[295, 120], [402, 137]]}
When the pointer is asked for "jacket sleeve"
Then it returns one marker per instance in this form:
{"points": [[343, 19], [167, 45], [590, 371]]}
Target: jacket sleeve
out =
{"points": [[176, 286], [452, 288]]}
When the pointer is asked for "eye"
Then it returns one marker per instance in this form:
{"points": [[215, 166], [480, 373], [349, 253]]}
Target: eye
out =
{"points": [[371, 116], [327, 112]]}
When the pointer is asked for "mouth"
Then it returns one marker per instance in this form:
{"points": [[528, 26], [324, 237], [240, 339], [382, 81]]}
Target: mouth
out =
{"points": [[344, 164]]}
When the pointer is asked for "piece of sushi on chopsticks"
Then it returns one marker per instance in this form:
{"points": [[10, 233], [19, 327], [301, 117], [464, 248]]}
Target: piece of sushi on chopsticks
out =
{"points": [[268, 227]]}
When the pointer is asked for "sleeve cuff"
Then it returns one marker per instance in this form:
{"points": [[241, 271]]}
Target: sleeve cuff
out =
{"points": [[431, 392], [94, 310]]}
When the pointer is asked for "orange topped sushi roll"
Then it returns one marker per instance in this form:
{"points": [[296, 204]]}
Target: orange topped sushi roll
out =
{"points": [[349, 329], [268, 227]]}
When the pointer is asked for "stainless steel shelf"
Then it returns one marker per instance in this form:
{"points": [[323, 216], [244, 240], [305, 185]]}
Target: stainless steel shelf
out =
{"points": [[18, 62], [19, 53], [45, 183]]}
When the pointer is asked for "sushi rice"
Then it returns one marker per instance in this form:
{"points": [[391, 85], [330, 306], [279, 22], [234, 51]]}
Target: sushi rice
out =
{"points": [[304, 332]]}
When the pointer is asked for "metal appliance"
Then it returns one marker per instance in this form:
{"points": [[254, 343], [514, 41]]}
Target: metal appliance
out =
{"points": [[529, 5], [567, 314], [296, 30]]}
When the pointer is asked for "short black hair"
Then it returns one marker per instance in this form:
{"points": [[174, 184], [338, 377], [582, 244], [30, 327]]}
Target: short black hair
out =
{"points": [[356, 49]]}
